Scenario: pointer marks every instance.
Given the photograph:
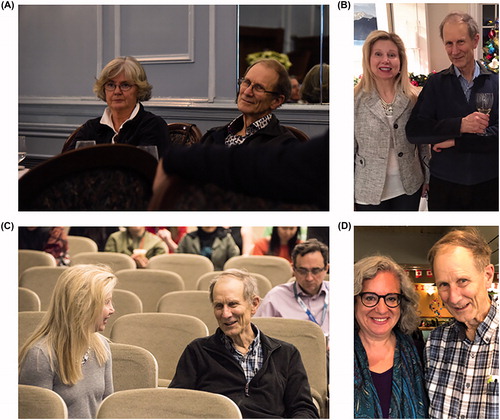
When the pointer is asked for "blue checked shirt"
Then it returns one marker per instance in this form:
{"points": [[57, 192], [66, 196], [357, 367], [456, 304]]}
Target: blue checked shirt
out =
{"points": [[462, 375], [250, 362]]}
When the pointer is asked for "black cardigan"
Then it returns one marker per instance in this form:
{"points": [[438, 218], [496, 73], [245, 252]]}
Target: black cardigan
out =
{"points": [[280, 389]]}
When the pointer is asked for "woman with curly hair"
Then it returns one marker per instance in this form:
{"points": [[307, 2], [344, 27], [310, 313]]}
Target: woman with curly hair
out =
{"points": [[388, 373]]}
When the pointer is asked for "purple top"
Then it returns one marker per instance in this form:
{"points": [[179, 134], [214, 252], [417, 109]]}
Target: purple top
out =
{"points": [[383, 385]]}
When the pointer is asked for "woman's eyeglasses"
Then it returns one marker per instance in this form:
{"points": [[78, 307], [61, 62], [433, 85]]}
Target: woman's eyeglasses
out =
{"points": [[110, 86], [370, 300]]}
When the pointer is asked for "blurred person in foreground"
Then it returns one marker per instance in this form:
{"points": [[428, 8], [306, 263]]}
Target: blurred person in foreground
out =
{"points": [[388, 372], [264, 376], [461, 357], [295, 173], [123, 85], [66, 353]]}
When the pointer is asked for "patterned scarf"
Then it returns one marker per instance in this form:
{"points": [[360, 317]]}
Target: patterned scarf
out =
{"points": [[409, 398]]}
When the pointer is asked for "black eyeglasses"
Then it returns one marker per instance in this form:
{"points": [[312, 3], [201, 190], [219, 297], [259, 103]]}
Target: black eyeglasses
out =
{"points": [[255, 86], [370, 300], [304, 271], [111, 86]]}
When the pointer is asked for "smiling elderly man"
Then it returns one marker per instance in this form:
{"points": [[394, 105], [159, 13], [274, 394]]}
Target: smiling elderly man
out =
{"points": [[464, 164], [265, 377], [461, 357], [263, 89]]}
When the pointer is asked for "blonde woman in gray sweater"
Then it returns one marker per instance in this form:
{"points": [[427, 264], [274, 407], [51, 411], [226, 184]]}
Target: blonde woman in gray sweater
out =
{"points": [[66, 353], [389, 173]]}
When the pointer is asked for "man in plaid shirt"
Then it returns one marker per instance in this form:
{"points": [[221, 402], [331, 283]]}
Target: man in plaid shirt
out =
{"points": [[461, 357]]}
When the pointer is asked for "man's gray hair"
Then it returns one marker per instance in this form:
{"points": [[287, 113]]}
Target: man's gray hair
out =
{"points": [[250, 289], [472, 26]]}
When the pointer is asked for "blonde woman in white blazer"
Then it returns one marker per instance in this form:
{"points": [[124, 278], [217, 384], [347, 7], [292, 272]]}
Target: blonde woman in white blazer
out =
{"points": [[390, 174]]}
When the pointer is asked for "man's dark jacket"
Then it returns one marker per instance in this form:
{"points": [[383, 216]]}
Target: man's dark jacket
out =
{"points": [[437, 116], [280, 389], [273, 133]]}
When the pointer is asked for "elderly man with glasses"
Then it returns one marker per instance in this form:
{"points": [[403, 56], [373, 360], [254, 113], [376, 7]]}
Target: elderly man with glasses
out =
{"points": [[264, 88], [307, 296]]}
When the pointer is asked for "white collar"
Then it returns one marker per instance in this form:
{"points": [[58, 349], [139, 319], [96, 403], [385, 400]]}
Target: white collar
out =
{"points": [[107, 120]]}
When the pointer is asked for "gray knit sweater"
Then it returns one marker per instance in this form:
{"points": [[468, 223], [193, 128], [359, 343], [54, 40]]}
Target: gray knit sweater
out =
{"points": [[84, 397]]}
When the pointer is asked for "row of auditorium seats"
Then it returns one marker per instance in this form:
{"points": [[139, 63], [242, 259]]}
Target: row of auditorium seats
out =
{"points": [[140, 403], [189, 266], [165, 336]]}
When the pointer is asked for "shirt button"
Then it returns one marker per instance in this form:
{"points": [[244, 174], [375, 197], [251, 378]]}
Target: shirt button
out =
{"points": [[473, 355], [396, 126], [467, 385], [400, 154]]}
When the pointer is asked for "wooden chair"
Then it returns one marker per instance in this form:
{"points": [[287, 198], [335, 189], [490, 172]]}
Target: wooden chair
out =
{"points": [[124, 302], [40, 403], [164, 335], [185, 134], [190, 302], [310, 340], [42, 281], [299, 134], [189, 266], [28, 300], [263, 284], [77, 244], [150, 285], [102, 177], [115, 260], [133, 367], [31, 258], [278, 270], [167, 403]]}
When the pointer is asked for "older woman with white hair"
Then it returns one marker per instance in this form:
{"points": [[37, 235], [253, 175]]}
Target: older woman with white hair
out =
{"points": [[388, 373], [123, 85], [66, 354]]}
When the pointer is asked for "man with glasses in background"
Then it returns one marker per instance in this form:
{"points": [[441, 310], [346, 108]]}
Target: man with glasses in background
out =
{"points": [[307, 297], [264, 88], [461, 357]]}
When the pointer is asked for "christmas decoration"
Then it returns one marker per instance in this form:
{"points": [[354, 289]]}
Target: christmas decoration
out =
{"points": [[490, 48]]}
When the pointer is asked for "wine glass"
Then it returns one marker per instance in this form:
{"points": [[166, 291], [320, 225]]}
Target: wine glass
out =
{"points": [[21, 150], [151, 149], [84, 143], [484, 102]]}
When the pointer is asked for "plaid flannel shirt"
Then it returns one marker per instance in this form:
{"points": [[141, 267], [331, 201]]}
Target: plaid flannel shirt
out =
{"points": [[462, 375]]}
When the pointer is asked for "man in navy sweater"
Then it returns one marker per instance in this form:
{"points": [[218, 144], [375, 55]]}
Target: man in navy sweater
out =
{"points": [[464, 164]]}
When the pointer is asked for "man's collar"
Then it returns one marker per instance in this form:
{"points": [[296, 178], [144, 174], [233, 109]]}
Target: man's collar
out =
{"points": [[322, 290], [236, 125], [477, 71]]}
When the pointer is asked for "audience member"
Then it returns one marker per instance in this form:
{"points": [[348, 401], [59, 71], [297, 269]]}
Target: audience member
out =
{"points": [[388, 373], [137, 243], [315, 87], [243, 237], [215, 243], [66, 353], [461, 357], [170, 235], [123, 85], [295, 92], [53, 240], [265, 377], [280, 244], [263, 89], [464, 164], [390, 174], [302, 167], [306, 297]]}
